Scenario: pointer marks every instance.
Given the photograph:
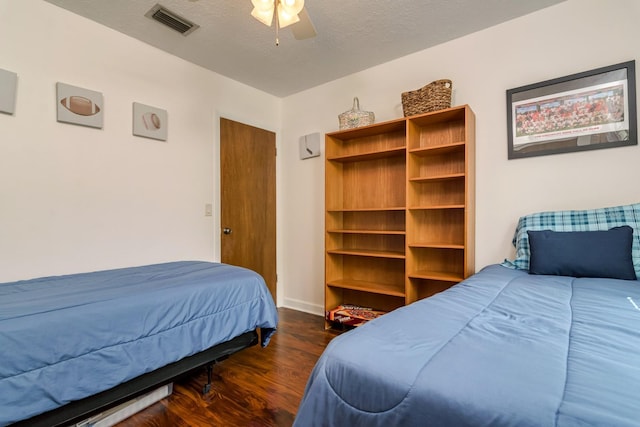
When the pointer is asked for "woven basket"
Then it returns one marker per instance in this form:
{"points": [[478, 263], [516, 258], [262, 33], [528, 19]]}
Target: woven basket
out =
{"points": [[432, 97], [355, 117]]}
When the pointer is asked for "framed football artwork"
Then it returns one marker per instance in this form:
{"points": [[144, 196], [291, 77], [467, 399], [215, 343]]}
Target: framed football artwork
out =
{"points": [[8, 88], [79, 106]]}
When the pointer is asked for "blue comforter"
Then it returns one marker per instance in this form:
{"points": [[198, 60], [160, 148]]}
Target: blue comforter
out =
{"points": [[68, 337], [503, 348]]}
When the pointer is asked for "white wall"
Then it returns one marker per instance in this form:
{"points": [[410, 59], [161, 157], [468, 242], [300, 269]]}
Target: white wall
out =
{"points": [[79, 199], [76, 199], [571, 37]]}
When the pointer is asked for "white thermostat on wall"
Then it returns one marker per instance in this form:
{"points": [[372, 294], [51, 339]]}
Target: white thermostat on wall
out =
{"points": [[310, 146]]}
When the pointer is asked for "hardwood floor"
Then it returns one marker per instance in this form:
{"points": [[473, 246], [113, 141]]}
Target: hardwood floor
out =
{"points": [[257, 387]]}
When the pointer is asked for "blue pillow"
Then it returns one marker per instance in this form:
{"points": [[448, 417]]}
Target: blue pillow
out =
{"points": [[583, 253], [601, 219]]}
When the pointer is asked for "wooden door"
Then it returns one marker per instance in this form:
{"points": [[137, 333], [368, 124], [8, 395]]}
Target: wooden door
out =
{"points": [[248, 199]]}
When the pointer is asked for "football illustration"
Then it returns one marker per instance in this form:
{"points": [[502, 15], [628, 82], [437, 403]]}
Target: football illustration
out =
{"points": [[80, 105]]}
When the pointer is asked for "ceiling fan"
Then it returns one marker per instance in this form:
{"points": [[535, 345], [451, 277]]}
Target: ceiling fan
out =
{"points": [[284, 13]]}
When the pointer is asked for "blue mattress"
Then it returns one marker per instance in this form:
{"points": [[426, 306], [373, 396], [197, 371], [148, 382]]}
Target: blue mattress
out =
{"points": [[68, 337], [503, 348]]}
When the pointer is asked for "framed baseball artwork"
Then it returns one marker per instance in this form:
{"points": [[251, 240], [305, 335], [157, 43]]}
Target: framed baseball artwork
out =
{"points": [[149, 122]]}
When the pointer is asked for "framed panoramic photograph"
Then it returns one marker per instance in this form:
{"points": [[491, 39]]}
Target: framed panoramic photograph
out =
{"points": [[585, 111]]}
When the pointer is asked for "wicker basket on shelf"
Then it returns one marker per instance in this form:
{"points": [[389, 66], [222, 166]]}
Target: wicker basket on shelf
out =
{"points": [[432, 97]]}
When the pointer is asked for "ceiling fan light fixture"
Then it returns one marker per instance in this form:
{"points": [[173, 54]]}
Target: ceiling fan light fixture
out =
{"points": [[292, 7], [263, 5], [285, 19], [264, 16], [286, 13]]}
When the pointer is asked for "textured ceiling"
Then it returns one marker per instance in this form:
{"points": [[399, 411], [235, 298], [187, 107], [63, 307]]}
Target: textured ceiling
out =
{"points": [[352, 34]]}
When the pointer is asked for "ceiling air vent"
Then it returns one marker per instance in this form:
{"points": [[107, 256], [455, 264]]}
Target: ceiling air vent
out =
{"points": [[171, 20]]}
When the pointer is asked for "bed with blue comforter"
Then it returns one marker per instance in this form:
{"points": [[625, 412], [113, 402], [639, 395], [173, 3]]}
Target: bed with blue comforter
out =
{"points": [[502, 348], [65, 338]]}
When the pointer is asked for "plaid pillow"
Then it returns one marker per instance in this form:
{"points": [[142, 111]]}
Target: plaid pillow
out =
{"points": [[586, 220]]}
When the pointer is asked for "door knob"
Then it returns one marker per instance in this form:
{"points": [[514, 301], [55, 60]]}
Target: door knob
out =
{"points": [[226, 230]]}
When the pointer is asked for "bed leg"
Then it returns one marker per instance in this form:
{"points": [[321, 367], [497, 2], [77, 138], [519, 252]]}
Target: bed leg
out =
{"points": [[207, 386]]}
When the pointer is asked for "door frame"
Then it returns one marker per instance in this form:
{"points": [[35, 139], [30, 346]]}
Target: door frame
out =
{"points": [[217, 193]]}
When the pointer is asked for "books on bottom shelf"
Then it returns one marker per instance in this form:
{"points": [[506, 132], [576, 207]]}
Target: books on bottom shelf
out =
{"points": [[353, 315]]}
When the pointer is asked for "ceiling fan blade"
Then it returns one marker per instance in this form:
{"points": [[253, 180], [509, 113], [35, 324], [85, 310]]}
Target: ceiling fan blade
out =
{"points": [[303, 29]]}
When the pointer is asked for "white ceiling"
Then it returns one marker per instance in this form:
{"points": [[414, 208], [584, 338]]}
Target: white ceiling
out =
{"points": [[352, 34]]}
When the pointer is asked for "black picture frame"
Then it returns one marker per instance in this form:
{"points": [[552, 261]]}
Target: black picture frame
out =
{"points": [[585, 111]]}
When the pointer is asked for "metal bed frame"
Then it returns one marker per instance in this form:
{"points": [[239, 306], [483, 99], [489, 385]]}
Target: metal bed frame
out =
{"points": [[82, 409]]}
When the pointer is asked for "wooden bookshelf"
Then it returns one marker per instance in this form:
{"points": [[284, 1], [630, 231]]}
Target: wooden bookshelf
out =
{"points": [[399, 219]]}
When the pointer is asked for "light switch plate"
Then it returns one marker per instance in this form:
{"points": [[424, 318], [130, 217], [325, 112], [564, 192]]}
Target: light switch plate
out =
{"points": [[309, 146]]}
